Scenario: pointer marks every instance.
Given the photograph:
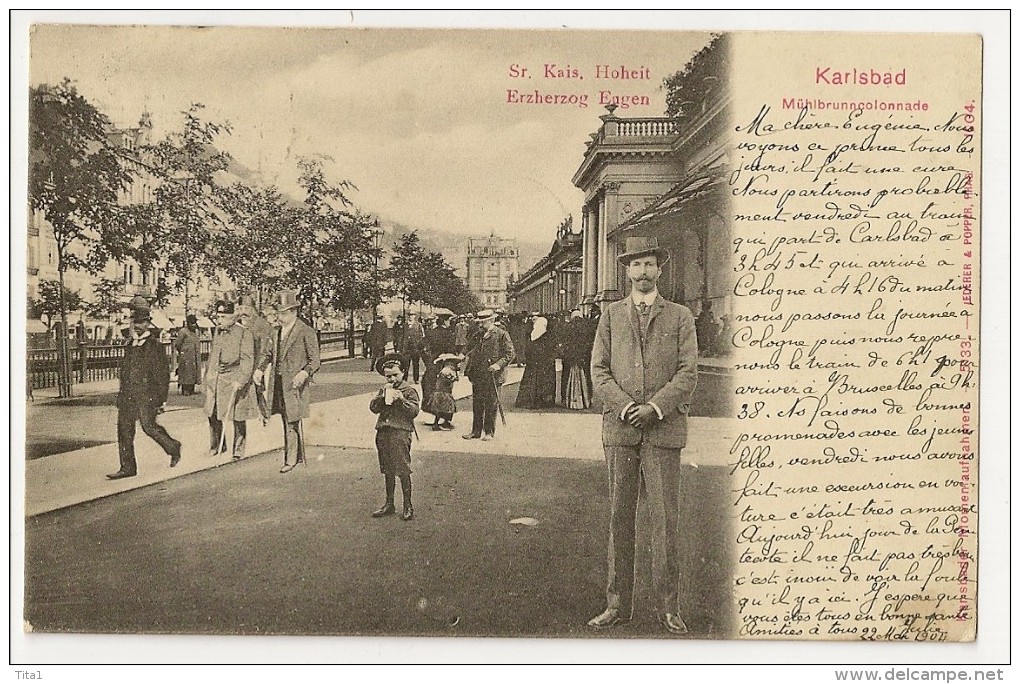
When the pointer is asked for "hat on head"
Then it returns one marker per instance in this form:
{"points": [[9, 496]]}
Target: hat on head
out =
{"points": [[485, 315], [386, 360], [442, 358], [191, 319], [224, 306], [642, 246], [139, 310], [247, 300], [287, 300]]}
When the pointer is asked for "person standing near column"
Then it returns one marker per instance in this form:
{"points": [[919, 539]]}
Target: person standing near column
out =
{"points": [[295, 361], [229, 392], [144, 386], [645, 368]]}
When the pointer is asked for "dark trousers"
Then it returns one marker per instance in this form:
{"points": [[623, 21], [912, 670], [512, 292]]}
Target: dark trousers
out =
{"points": [[216, 435], [483, 406], [412, 359], [143, 412], [656, 471], [564, 378], [293, 444]]}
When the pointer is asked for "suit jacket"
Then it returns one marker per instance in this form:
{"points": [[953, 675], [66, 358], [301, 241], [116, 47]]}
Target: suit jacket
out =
{"points": [[231, 362], [263, 333], [665, 372], [295, 352], [144, 373], [376, 337], [400, 414], [493, 347], [413, 340]]}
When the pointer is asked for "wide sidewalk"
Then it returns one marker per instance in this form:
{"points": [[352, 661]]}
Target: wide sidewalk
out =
{"points": [[75, 477]]}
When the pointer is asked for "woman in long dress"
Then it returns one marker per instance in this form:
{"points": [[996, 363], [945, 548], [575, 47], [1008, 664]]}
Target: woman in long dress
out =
{"points": [[538, 385]]}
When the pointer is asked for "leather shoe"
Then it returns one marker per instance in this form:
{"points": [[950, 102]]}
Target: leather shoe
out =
{"points": [[674, 623], [608, 618], [175, 456], [471, 436], [387, 509], [287, 467], [487, 437], [408, 513], [120, 474]]}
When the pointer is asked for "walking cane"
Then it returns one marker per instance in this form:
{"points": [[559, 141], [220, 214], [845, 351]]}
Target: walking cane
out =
{"points": [[232, 411], [499, 404]]}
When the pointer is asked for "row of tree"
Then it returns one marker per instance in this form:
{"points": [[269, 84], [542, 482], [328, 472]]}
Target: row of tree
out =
{"points": [[201, 219]]}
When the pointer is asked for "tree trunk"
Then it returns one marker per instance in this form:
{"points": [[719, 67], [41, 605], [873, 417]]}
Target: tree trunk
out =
{"points": [[64, 380]]}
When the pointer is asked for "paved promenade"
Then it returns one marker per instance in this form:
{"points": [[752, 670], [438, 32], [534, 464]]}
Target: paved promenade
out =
{"points": [[64, 479]]}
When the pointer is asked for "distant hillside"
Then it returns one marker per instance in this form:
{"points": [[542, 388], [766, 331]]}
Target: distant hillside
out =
{"points": [[454, 247]]}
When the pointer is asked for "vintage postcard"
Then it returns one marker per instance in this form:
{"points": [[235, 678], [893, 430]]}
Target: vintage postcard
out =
{"points": [[351, 331]]}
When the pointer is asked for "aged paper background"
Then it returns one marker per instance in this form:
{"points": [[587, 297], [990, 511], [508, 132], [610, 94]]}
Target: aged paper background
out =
{"points": [[883, 537], [856, 210]]}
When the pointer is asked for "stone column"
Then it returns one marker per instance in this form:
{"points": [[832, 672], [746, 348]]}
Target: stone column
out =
{"points": [[611, 211], [603, 245], [589, 259]]}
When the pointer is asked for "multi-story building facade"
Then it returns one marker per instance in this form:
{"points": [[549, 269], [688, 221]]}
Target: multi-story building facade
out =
{"points": [[553, 284], [135, 280], [492, 263]]}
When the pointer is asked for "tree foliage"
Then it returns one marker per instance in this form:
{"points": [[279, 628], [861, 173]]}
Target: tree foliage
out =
{"points": [[74, 176], [688, 89], [106, 298], [49, 302], [421, 276], [176, 229]]}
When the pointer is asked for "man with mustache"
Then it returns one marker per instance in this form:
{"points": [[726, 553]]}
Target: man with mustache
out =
{"points": [[645, 367]]}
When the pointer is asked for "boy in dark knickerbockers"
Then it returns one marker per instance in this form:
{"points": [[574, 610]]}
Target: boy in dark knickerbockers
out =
{"points": [[397, 403]]}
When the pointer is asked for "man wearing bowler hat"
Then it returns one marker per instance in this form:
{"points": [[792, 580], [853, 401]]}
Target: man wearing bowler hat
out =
{"points": [[485, 367], [295, 361], [644, 367], [144, 385]]}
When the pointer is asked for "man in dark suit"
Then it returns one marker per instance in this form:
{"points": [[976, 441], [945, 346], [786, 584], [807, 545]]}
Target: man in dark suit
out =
{"points": [[412, 346], [645, 368], [144, 385], [295, 361], [485, 367], [376, 338]]}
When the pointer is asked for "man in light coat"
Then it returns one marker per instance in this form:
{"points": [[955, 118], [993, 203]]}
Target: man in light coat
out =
{"points": [[264, 335], [645, 368], [295, 360], [229, 392]]}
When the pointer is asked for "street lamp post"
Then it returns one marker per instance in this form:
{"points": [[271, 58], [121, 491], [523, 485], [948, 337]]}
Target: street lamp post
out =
{"points": [[377, 239]]}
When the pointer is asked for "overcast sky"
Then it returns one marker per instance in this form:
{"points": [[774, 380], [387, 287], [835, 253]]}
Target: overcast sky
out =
{"points": [[417, 119]]}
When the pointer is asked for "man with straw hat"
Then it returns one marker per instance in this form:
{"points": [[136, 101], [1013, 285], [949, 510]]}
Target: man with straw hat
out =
{"points": [[486, 366], [295, 361], [144, 386], [645, 368]]}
